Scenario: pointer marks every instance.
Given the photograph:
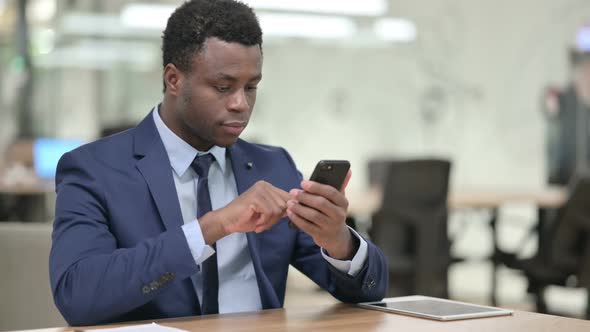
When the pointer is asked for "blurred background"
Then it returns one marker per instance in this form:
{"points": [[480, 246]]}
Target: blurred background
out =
{"points": [[486, 86]]}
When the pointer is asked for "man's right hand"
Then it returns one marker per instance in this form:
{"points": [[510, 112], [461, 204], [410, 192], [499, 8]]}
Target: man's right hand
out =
{"points": [[255, 210]]}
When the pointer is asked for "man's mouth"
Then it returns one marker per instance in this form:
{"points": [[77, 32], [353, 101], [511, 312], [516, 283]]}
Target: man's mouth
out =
{"points": [[234, 127]]}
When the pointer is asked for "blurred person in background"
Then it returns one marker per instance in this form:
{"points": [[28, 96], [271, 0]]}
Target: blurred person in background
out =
{"points": [[179, 217], [568, 114]]}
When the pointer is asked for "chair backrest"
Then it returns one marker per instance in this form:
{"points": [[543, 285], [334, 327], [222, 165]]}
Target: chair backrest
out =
{"points": [[377, 171], [24, 264], [412, 220], [570, 241], [415, 192], [417, 185]]}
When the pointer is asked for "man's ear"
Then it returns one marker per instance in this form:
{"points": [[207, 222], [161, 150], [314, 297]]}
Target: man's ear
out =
{"points": [[173, 78]]}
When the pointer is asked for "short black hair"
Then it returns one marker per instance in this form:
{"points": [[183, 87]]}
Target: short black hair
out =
{"points": [[196, 20]]}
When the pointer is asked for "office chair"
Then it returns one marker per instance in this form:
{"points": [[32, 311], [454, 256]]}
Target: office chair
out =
{"points": [[563, 258], [411, 227], [378, 169], [27, 302]]}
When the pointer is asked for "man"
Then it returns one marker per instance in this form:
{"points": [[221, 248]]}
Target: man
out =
{"points": [[179, 217], [567, 110]]}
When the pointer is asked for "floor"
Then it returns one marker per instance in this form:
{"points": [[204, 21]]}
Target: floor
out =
{"points": [[470, 280]]}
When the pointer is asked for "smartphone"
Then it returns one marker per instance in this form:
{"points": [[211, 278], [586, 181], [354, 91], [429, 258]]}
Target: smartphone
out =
{"points": [[330, 172]]}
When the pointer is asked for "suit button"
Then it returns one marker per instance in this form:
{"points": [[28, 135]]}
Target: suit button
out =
{"points": [[146, 290], [370, 283], [166, 277], [154, 285]]}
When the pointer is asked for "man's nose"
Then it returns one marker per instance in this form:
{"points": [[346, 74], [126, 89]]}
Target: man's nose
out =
{"points": [[239, 102]]}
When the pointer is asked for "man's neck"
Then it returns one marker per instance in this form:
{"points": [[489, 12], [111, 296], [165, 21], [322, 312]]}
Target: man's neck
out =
{"points": [[175, 124]]}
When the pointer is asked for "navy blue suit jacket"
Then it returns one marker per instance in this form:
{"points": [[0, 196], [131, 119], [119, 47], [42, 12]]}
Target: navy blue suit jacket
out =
{"points": [[119, 252]]}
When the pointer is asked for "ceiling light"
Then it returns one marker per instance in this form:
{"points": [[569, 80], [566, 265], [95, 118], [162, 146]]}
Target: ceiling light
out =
{"points": [[148, 16], [307, 26], [395, 29], [583, 39], [343, 7], [41, 10]]}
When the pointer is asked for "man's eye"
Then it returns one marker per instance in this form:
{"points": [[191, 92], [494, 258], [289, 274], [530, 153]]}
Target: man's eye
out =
{"points": [[251, 88], [222, 88]]}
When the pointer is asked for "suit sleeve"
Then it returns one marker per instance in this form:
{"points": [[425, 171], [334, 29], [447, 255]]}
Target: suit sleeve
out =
{"points": [[92, 280], [369, 284]]}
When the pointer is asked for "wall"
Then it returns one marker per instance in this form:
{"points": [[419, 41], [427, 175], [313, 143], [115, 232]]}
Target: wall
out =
{"points": [[467, 89]]}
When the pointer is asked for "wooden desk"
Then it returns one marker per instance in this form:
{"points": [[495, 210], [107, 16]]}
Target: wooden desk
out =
{"points": [[365, 202], [25, 200], [344, 318], [24, 181], [37, 188], [545, 197]]}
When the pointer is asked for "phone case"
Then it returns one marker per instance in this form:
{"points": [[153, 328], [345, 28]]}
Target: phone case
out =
{"points": [[331, 172]]}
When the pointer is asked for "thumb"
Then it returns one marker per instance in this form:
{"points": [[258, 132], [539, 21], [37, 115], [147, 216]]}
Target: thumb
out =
{"points": [[345, 183]]}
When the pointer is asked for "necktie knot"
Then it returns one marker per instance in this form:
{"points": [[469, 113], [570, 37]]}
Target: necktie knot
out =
{"points": [[202, 163]]}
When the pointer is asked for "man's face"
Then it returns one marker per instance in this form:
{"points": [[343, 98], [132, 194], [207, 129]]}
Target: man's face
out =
{"points": [[216, 98]]}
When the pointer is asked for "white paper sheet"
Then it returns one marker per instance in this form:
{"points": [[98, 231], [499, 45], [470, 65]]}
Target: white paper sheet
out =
{"points": [[153, 327]]}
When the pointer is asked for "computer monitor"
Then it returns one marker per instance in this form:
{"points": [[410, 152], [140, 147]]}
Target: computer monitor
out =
{"points": [[48, 151]]}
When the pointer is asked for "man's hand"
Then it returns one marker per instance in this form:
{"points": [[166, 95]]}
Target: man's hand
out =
{"points": [[320, 211], [255, 210]]}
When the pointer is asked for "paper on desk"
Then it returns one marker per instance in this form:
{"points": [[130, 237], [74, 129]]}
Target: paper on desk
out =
{"points": [[153, 327]]}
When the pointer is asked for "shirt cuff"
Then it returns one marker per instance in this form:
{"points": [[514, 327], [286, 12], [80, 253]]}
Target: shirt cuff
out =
{"points": [[196, 242], [350, 267]]}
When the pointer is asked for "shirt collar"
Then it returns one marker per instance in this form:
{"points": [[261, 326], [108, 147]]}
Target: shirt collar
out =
{"points": [[180, 153]]}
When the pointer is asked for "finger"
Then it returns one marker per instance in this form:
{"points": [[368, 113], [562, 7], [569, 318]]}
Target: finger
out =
{"points": [[280, 197], [271, 218], [304, 225], [310, 214], [324, 190], [277, 201], [321, 204], [258, 214], [273, 205], [346, 180], [293, 193], [281, 193], [270, 202], [269, 208]]}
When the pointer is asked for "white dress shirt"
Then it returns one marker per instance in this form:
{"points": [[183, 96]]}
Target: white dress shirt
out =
{"points": [[238, 289]]}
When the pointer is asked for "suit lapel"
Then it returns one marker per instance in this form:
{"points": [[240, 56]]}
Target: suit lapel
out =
{"points": [[154, 166], [246, 174]]}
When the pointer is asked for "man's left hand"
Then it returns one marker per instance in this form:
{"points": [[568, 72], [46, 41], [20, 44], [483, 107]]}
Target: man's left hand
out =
{"points": [[320, 211]]}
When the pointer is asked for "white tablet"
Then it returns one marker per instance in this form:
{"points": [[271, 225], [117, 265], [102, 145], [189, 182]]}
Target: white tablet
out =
{"points": [[434, 308]]}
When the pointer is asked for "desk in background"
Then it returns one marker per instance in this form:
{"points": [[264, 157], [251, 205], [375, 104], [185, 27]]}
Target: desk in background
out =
{"points": [[493, 200], [25, 198], [365, 203], [41, 187], [345, 318]]}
